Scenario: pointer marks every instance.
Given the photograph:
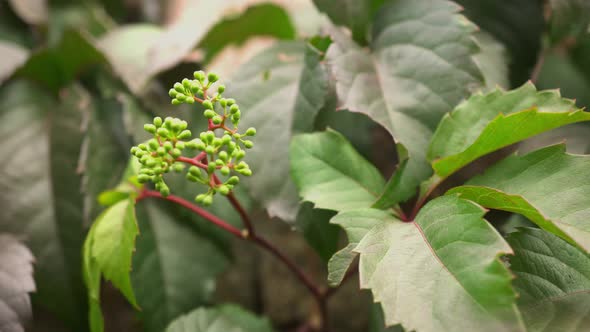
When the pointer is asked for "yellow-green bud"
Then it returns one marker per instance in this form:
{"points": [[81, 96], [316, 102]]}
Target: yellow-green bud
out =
{"points": [[157, 121], [161, 151], [251, 132], [210, 150], [186, 83], [208, 200], [175, 153], [223, 156], [212, 77], [223, 189], [221, 89], [209, 114], [178, 87], [233, 180], [185, 134], [176, 102], [180, 145], [225, 170], [230, 101], [168, 146], [189, 100], [248, 144], [217, 119], [163, 132], [153, 144], [208, 104], [199, 75], [234, 108]]}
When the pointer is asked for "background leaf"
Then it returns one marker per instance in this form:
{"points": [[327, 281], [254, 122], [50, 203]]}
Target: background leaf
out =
{"points": [[16, 282], [40, 190], [315, 226], [13, 56], [220, 319], [419, 66], [279, 92], [357, 15], [175, 266], [553, 280]]}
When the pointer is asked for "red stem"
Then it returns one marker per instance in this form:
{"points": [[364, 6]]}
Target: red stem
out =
{"points": [[203, 213], [192, 161]]}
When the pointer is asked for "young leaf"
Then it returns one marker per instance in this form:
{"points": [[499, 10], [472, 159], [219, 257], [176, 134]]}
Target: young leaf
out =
{"points": [[357, 224], [548, 186], [16, 282], [446, 260], [280, 92], [419, 66], [223, 318], [330, 173], [487, 122], [108, 251], [59, 65], [553, 280], [40, 190], [174, 267]]}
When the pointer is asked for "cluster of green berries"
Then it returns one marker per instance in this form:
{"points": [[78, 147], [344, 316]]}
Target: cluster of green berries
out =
{"points": [[222, 149]]}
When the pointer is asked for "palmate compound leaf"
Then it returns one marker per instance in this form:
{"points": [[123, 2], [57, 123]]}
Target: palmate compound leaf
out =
{"points": [[548, 186], [224, 318], [279, 92], [487, 122], [330, 173], [441, 272], [553, 281], [418, 66], [108, 252]]}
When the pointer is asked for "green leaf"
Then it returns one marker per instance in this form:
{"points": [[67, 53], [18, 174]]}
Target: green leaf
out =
{"points": [[503, 20], [56, 67], [16, 269], [394, 189], [548, 186], [418, 67], [448, 258], [354, 14], [107, 251], [220, 319], [553, 280], [113, 244], [315, 226], [280, 93], [175, 265], [357, 224], [569, 19], [330, 173], [264, 19], [40, 190], [487, 122], [13, 56]]}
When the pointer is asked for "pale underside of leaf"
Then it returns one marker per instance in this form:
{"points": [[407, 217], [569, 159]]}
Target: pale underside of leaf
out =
{"points": [[16, 282], [441, 272], [356, 223], [226, 318]]}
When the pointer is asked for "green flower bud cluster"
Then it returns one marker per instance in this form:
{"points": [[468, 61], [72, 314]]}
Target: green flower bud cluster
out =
{"points": [[159, 155], [222, 149], [188, 91]]}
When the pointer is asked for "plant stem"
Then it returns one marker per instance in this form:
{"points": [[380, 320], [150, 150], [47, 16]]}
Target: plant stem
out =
{"points": [[249, 234], [201, 212]]}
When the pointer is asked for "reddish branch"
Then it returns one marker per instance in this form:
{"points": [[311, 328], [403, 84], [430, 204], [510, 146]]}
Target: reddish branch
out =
{"points": [[249, 234]]}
